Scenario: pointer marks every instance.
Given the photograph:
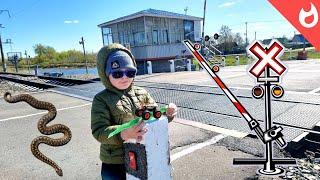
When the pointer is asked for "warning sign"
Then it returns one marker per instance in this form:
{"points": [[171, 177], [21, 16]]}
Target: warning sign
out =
{"points": [[267, 57]]}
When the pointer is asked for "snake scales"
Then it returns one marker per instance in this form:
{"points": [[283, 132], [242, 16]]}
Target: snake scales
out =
{"points": [[43, 128]]}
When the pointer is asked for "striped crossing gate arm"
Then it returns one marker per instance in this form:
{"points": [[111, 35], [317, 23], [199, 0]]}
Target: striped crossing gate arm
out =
{"points": [[253, 124]]}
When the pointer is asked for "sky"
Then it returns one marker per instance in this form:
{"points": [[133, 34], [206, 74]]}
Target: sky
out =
{"points": [[61, 23]]}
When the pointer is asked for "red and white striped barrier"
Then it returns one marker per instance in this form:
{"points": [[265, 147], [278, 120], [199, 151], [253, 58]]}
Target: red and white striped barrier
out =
{"points": [[254, 125]]}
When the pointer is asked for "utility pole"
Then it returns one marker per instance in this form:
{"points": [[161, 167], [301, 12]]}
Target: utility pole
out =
{"points": [[9, 41], [294, 38], [255, 35], [1, 48], [246, 33], [246, 38], [204, 17], [84, 53], [28, 60], [304, 43], [185, 10], [2, 56]]}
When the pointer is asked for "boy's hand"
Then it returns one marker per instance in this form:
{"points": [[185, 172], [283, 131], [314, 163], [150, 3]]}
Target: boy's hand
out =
{"points": [[136, 132], [171, 111]]}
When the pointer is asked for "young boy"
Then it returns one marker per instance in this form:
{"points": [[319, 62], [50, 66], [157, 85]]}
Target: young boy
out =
{"points": [[116, 105]]}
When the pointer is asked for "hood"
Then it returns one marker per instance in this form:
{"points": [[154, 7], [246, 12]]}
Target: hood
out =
{"points": [[102, 57]]}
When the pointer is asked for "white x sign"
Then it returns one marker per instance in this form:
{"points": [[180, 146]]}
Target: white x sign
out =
{"points": [[267, 57]]}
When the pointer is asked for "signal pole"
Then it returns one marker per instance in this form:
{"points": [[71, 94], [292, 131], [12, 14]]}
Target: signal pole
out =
{"points": [[204, 17], [84, 53], [2, 56], [246, 39]]}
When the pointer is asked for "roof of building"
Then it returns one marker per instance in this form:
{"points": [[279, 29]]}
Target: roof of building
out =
{"points": [[281, 40], [299, 38], [152, 13]]}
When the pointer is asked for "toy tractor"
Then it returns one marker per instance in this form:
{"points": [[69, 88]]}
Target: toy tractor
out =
{"points": [[146, 111]]}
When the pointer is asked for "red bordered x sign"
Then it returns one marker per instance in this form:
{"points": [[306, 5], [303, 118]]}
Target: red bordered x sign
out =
{"points": [[267, 57]]}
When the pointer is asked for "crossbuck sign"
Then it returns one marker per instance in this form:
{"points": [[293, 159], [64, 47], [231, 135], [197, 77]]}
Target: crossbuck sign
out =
{"points": [[267, 57]]}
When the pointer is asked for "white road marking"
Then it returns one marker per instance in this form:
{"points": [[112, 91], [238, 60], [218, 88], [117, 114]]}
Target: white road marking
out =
{"points": [[194, 81], [198, 146], [233, 76], [212, 128], [298, 138], [314, 91], [304, 71], [29, 115], [71, 95]]}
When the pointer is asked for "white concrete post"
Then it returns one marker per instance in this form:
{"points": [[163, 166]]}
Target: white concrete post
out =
{"points": [[248, 59], [149, 67], [171, 65], [237, 60], [223, 63], [149, 159], [189, 64], [36, 70]]}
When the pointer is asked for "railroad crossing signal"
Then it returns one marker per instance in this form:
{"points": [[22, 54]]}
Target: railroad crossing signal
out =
{"points": [[272, 133], [216, 36], [197, 46], [267, 57], [206, 38]]}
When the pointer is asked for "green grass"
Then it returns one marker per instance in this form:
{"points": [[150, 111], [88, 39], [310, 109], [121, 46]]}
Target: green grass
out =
{"points": [[195, 62], [313, 54], [231, 60]]}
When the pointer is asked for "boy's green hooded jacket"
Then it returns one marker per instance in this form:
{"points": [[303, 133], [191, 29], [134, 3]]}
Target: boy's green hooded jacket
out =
{"points": [[112, 107]]}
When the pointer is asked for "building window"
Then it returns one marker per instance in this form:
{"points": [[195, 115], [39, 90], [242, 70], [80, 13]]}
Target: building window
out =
{"points": [[121, 38], [165, 37], [107, 36], [138, 38], [155, 37], [188, 30]]}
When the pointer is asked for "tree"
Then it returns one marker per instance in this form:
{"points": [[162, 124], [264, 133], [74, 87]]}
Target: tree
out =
{"points": [[226, 38], [39, 49], [229, 41], [44, 54], [238, 39]]}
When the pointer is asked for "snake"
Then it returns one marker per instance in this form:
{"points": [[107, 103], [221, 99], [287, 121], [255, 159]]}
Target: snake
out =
{"points": [[43, 128]]}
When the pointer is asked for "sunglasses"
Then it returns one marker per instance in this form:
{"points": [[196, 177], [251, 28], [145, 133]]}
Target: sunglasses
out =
{"points": [[128, 73]]}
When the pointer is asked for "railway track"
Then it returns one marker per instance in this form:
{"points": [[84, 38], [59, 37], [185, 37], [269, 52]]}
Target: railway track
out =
{"points": [[195, 102], [27, 81], [203, 108]]}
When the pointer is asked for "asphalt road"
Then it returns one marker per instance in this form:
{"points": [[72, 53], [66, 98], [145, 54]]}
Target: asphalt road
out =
{"points": [[79, 159]]}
